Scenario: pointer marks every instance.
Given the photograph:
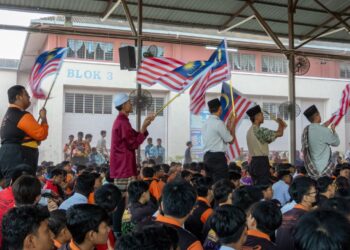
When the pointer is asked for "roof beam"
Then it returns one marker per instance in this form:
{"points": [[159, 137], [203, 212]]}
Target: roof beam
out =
{"points": [[236, 14], [335, 15], [322, 25], [263, 2], [319, 34], [129, 17], [266, 27]]}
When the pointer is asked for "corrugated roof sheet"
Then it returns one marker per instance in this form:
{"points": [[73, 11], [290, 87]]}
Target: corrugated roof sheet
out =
{"points": [[204, 13]]}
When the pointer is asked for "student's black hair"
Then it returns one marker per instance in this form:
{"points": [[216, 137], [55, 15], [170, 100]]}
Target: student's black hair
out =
{"points": [[136, 189], [282, 173], [194, 167], [108, 176], [185, 173], [233, 167], [103, 132], [26, 189], [301, 170], [166, 168], [155, 237], [323, 183], [85, 184], [178, 198], [342, 205], [88, 136], [82, 218], [13, 92], [342, 182], [263, 187], [21, 169], [19, 222], [57, 171], [148, 172], [80, 168], [157, 168], [80, 133], [228, 222], [108, 197], [64, 163], [268, 216], [244, 197], [202, 185], [222, 189], [234, 176], [300, 187], [57, 221], [322, 229]]}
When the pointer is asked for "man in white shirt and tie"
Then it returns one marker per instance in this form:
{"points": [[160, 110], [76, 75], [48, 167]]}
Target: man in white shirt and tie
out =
{"points": [[216, 136]]}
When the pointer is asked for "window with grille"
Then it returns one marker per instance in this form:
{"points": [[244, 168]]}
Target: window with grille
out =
{"points": [[271, 111], [344, 70], [90, 50], [243, 62], [274, 64], [88, 103]]}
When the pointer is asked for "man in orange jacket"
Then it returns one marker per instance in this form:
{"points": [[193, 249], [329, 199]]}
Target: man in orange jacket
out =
{"points": [[20, 133]]}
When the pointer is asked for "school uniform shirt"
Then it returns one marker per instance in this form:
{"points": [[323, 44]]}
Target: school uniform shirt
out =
{"points": [[258, 140], [280, 192], [76, 198], [187, 241], [154, 188], [125, 140], [200, 214], [259, 240], [320, 139], [284, 237], [216, 136]]}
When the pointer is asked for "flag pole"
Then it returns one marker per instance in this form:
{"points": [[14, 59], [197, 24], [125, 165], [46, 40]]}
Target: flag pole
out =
{"points": [[231, 87], [169, 102]]}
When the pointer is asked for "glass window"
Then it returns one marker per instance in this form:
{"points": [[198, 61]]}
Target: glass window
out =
{"points": [[344, 70], [90, 50], [107, 104], [274, 64], [243, 62], [88, 103]]}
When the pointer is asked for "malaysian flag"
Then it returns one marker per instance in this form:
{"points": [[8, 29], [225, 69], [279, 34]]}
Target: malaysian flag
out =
{"points": [[344, 107], [241, 105], [46, 64], [178, 76]]}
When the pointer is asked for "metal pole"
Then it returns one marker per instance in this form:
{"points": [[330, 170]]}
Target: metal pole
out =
{"points": [[291, 83], [139, 59]]}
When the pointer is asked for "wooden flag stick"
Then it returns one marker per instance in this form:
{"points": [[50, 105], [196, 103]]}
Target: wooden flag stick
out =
{"points": [[168, 103], [232, 100]]}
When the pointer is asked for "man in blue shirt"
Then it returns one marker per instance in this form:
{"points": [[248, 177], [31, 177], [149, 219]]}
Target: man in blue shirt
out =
{"points": [[83, 187], [280, 188], [148, 148], [160, 152]]}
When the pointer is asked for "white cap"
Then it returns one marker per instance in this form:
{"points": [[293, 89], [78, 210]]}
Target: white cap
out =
{"points": [[120, 99]]}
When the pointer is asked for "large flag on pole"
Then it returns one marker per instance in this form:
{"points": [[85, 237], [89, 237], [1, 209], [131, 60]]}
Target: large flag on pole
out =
{"points": [[242, 104], [178, 76], [344, 107], [46, 64], [218, 72]]}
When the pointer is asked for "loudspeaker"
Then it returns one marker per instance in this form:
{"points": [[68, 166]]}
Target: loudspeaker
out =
{"points": [[127, 58]]}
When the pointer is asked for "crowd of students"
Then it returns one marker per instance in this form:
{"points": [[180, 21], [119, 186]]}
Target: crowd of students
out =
{"points": [[174, 207]]}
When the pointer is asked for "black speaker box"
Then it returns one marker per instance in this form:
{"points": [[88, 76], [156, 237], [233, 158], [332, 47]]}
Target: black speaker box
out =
{"points": [[127, 58]]}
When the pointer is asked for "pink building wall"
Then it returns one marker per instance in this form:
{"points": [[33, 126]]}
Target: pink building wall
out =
{"points": [[325, 68]]}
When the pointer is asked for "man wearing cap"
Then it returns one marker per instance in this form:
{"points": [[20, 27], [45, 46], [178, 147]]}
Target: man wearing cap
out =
{"points": [[316, 142], [258, 140], [125, 140], [216, 136]]}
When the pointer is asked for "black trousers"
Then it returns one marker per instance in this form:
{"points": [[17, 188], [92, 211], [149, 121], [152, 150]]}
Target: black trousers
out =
{"points": [[12, 155], [260, 170], [216, 165]]}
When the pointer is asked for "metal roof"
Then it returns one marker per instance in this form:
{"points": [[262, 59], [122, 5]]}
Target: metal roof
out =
{"points": [[210, 14]]}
